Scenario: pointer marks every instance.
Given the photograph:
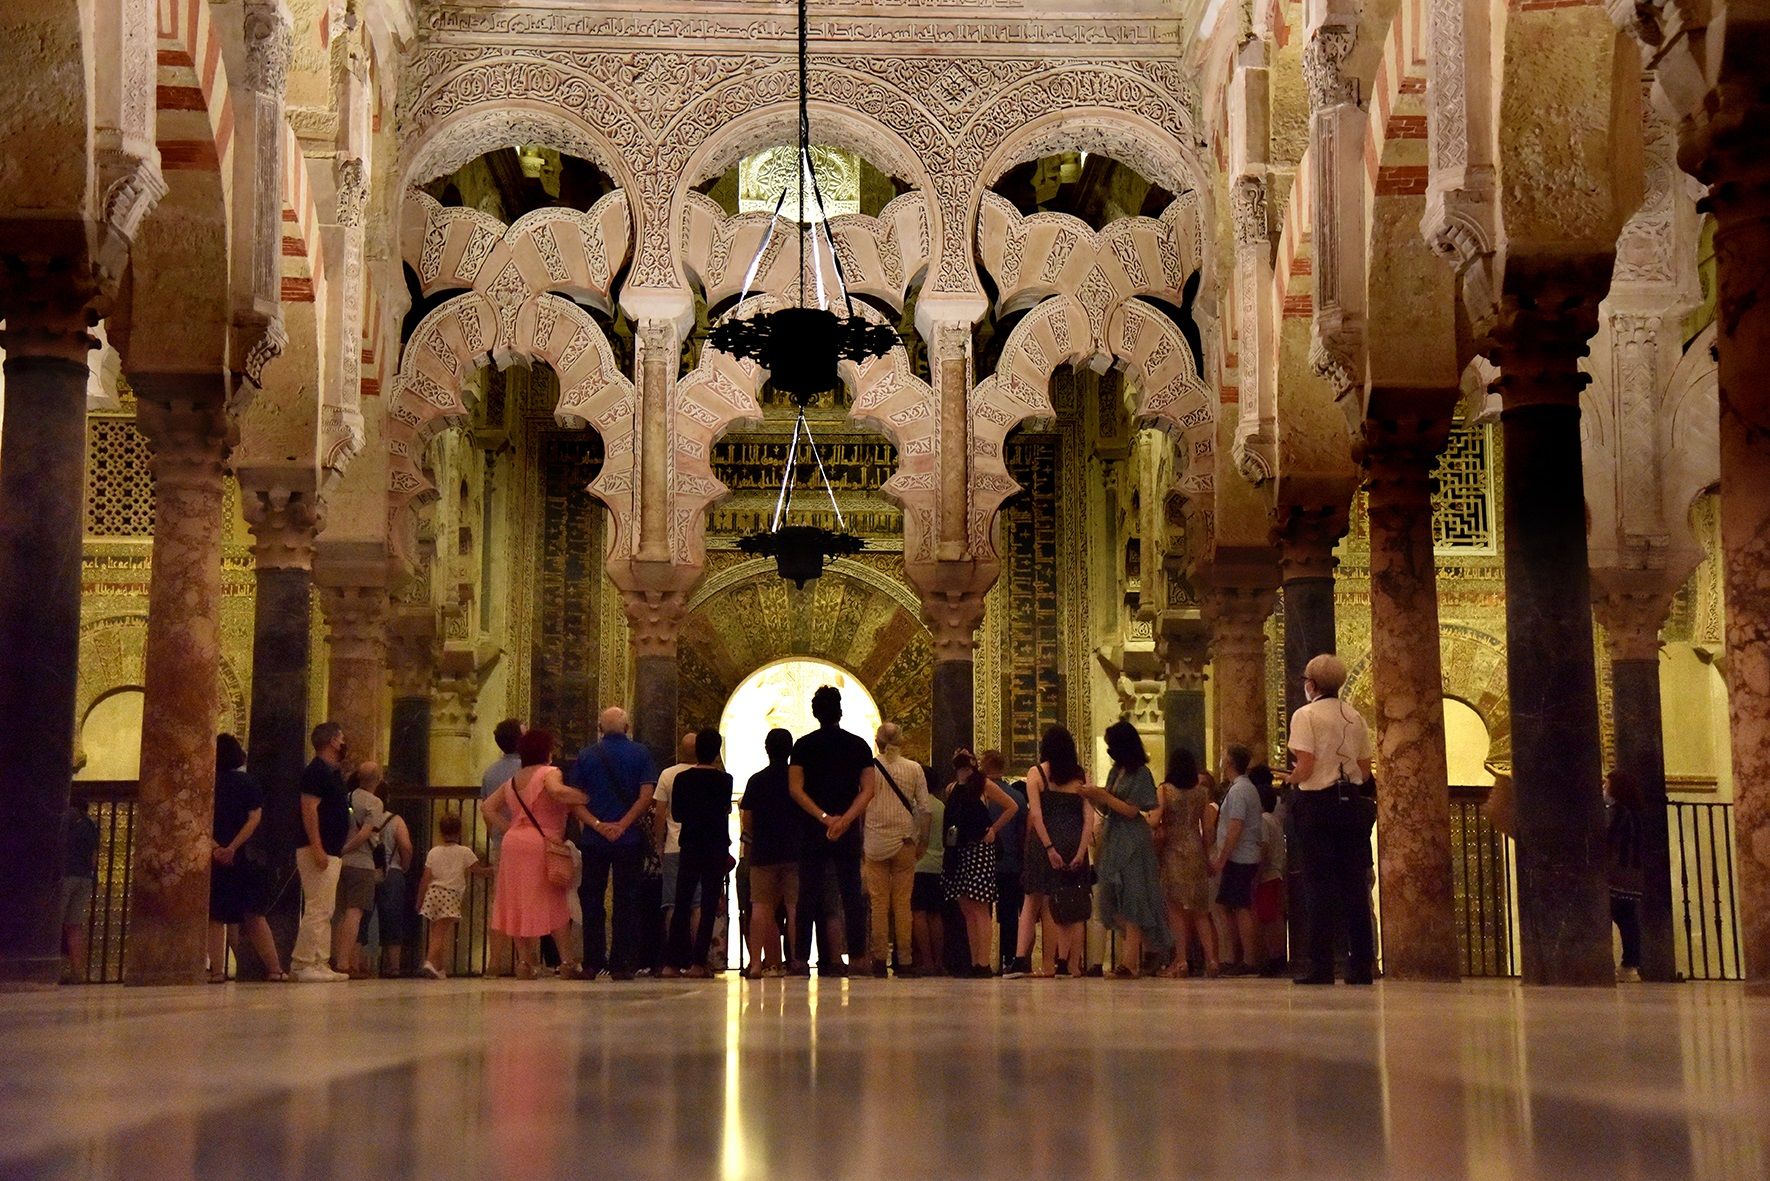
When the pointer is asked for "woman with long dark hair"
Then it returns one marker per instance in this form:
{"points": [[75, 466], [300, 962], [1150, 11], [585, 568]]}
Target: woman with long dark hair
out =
{"points": [[1059, 833], [1186, 870], [971, 836], [1130, 877], [239, 876]]}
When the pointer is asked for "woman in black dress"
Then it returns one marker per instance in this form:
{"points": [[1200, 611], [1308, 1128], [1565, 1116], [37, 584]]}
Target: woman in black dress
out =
{"points": [[1059, 833], [971, 838], [238, 876]]}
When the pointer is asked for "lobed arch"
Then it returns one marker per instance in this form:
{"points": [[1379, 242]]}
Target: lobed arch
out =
{"points": [[469, 133], [1473, 672], [472, 329], [886, 394], [113, 660]]}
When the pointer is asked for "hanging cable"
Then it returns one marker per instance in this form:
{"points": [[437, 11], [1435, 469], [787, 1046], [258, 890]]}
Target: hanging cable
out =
{"points": [[812, 443], [785, 499], [762, 251]]}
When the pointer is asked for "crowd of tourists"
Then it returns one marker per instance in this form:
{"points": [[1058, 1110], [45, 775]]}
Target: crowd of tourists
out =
{"points": [[603, 867]]}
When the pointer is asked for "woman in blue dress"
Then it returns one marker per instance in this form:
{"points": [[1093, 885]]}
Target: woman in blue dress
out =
{"points": [[1130, 873]]}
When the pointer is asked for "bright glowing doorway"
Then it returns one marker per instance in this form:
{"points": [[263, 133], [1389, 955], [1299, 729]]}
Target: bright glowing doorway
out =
{"points": [[779, 694]]}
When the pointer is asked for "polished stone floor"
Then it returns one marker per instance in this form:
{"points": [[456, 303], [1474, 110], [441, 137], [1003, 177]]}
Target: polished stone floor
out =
{"points": [[927, 1078]]}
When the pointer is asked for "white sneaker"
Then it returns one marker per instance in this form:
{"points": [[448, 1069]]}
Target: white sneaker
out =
{"points": [[319, 975], [1628, 976], [433, 972]]}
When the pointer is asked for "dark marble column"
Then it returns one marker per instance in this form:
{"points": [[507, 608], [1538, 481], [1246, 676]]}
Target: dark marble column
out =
{"points": [[1306, 561], [42, 497], [953, 618], [1413, 805], [1185, 652], [1728, 147], [654, 704], [184, 419], [1547, 314], [411, 667], [1632, 622]]}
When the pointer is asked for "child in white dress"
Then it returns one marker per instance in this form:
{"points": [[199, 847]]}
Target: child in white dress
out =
{"points": [[441, 892]]}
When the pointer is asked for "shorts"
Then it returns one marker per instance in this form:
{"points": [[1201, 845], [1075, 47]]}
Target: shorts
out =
{"points": [[928, 894], [1269, 900], [356, 890], [76, 900], [672, 862], [1236, 890], [771, 885], [441, 902]]}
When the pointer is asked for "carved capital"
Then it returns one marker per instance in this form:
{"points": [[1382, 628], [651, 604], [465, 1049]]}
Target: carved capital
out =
{"points": [[1631, 619], [186, 424], [411, 652], [1306, 536], [1236, 616], [1400, 454], [1336, 346], [285, 519], [1184, 645], [341, 437], [356, 621], [654, 618], [132, 187], [48, 306], [1545, 318], [259, 339], [1326, 52], [269, 46], [953, 618], [1249, 208], [455, 703]]}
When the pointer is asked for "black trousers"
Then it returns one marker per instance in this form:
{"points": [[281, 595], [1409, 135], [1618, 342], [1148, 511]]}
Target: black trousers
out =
{"points": [[1625, 912], [1334, 843], [845, 866], [709, 875], [619, 954], [1008, 898]]}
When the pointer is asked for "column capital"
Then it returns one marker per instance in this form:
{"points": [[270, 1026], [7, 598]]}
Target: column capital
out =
{"points": [[269, 37], [186, 423], [1324, 55], [1237, 615], [1547, 314], [455, 703], [48, 304], [655, 596], [953, 618], [1632, 609], [411, 653], [1306, 535], [1184, 645], [284, 512], [1399, 454]]}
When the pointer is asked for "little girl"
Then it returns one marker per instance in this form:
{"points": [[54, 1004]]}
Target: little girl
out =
{"points": [[441, 891]]}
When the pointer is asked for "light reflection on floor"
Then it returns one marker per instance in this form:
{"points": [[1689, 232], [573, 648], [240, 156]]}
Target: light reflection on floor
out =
{"points": [[784, 1079]]}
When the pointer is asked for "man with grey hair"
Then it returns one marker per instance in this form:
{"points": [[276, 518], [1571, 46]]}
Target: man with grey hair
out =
{"points": [[895, 836], [619, 777]]}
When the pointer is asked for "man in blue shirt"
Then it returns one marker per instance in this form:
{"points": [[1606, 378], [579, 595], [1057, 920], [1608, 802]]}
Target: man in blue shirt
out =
{"points": [[619, 777], [1236, 856]]}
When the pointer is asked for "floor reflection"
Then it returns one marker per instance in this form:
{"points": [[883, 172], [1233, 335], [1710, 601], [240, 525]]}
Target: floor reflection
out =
{"points": [[784, 1079]]}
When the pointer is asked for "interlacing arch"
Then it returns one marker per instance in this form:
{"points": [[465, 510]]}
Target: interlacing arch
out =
{"points": [[1085, 289], [510, 313]]}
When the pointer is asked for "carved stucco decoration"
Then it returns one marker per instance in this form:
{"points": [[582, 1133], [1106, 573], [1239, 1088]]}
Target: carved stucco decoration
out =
{"points": [[644, 113], [881, 256], [1084, 288], [511, 314], [722, 391]]}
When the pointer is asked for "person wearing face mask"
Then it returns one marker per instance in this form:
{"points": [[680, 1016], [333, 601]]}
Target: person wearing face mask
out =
{"points": [[1334, 814]]}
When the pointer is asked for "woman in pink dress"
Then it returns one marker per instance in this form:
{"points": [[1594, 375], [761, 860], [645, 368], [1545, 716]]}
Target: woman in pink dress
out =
{"points": [[526, 905]]}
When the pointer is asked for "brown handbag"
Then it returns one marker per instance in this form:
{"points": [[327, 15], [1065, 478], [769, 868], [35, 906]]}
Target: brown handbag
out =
{"points": [[557, 860]]}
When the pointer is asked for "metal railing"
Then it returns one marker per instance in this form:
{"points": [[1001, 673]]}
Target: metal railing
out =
{"points": [[1705, 900]]}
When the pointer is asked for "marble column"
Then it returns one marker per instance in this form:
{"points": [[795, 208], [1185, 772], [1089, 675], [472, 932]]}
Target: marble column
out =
{"points": [[353, 600], [412, 671], [953, 619], [1413, 804], [1237, 615], [1306, 538], [653, 620], [1185, 651], [184, 418], [1730, 150], [42, 497], [283, 513], [1547, 314], [1632, 622]]}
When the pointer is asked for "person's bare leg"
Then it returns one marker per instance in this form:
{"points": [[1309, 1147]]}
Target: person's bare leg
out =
{"points": [[1029, 922], [936, 943], [344, 940], [1249, 931], [1178, 966], [1207, 937], [217, 950], [264, 944], [433, 946], [1225, 934], [1071, 943], [391, 957], [764, 943], [1131, 953], [1056, 939]]}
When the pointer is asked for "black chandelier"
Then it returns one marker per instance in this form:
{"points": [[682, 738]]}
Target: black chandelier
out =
{"points": [[800, 346]]}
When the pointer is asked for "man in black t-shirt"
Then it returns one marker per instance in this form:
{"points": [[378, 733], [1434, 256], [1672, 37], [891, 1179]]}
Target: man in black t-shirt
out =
{"points": [[831, 778], [325, 826]]}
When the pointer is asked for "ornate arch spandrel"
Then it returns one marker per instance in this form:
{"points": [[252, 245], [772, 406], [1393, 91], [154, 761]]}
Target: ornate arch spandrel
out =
{"points": [[1474, 673]]}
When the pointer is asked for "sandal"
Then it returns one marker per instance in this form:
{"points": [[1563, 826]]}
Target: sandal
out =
{"points": [[276, 977], [525, 971], [218, 977]]}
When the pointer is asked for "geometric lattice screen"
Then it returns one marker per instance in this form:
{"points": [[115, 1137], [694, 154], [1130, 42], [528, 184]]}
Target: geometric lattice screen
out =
{"points": [[1462, 502], [119, 482]]}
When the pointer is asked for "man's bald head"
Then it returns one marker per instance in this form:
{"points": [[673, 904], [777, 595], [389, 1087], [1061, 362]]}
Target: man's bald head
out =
{"points": [[685, 750], [612, 720], [888, 735]]}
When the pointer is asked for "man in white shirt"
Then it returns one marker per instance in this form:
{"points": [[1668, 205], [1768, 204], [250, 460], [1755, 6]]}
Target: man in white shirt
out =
{"points": [[896, 832], [667, 833]]}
